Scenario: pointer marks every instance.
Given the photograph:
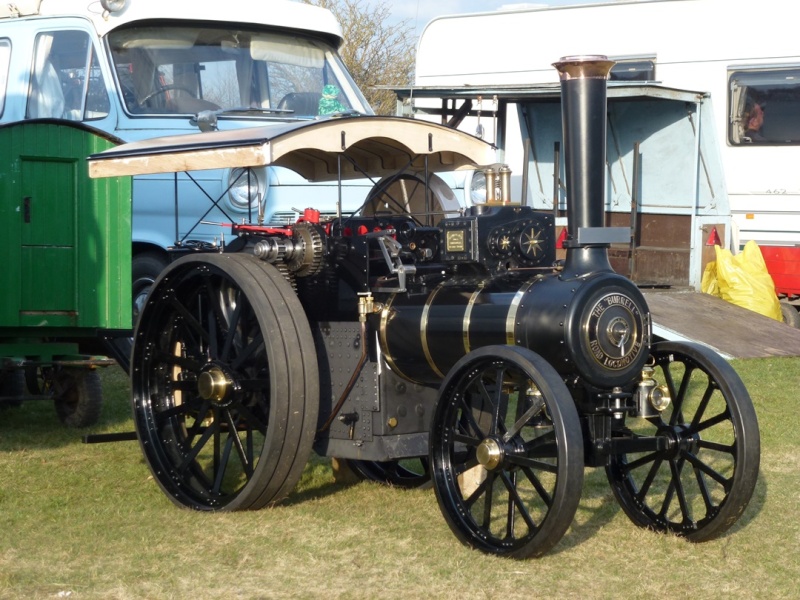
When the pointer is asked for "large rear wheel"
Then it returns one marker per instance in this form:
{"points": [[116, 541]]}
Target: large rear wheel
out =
{"points": [[506, 452], [225, 383]]}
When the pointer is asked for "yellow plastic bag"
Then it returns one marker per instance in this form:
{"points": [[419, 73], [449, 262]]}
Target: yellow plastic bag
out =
{"points": [[743, 280]]}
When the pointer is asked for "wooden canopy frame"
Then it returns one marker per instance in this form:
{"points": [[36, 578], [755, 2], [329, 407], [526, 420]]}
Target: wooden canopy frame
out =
{"points": [[370, 146]]}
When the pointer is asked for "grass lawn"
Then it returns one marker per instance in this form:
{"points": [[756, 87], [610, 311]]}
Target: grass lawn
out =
{"points": [[88, 521]]}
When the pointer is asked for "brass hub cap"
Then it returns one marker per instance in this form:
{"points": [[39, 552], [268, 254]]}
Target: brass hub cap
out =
{"points": [[213, 385], [489, 454]]}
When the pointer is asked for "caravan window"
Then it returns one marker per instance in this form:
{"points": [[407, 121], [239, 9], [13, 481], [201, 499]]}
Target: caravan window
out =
{"points": [[633, 70], [764, 106]]}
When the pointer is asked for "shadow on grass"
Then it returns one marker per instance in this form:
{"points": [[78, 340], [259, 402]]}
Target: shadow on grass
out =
{"points": [[35, 424], [598, 502], [317, 482], [596, 488]]}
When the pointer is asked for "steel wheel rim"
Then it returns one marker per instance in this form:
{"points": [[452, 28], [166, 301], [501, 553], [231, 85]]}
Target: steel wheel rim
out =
{"points": [[699, 485], [203, 446], [517, 495]]}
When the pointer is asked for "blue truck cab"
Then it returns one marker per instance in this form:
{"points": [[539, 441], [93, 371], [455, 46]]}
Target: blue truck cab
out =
{"points": [[139, 69]]}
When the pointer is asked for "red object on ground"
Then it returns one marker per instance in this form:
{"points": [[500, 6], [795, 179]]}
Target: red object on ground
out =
{"points": [[783, 264]]}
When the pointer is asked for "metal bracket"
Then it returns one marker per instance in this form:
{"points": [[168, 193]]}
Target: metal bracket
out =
{"points": [[390, 248]]}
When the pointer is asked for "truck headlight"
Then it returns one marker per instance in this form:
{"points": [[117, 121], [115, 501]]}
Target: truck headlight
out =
{"points": [[247, 187]]}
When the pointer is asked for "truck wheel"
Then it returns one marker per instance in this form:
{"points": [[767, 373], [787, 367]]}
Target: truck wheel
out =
{"points": [[506, 452], [12, 388], [225, 383], [78, 396], [145, 268], [700, 484], [790, 315]]}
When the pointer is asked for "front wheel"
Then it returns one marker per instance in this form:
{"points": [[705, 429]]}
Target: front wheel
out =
{"points": [[506, 452], [145, 268], [702, 480]]}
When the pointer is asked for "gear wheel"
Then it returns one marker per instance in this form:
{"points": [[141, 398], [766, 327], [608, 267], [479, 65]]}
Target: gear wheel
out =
{"points": [[307, 258]]}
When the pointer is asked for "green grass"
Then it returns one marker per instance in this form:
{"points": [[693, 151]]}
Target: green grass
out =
{"points": [[88, 521]]}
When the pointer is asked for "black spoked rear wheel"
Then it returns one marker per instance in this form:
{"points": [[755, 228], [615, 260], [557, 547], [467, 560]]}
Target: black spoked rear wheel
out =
{"points": [[225, 383]]}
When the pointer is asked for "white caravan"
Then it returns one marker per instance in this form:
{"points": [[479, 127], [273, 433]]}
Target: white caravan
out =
{"points": [[745, 55]]}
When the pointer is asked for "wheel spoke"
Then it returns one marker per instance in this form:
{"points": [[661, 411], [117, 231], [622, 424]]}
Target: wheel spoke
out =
{"points": [[254, 422], [640, 462], [717, 447], [703, 467], [543, 446], [221, 461], [253, 385], [701, 408], [537, 485], [197, 426], [677, 468], [173, 411], [466, 440], [517, 501], [233, 328], [651, 476], [534, 409], [459, 468], [511, 508], [253, 348], [720, 418], [486, 487], [531, 463], [497, 403], [189, 324], [466, 415], [192, 453], [185, 363], [677, 410], [704, 492], [244, 457]]}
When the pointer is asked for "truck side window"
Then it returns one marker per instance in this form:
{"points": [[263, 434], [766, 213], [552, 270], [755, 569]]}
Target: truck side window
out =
{"points": [[66, 81], [5, 59], [764, 106]]}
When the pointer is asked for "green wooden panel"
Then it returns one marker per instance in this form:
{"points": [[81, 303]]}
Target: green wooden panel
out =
{"points": [[49, 282], [48, 202], [68, 251]]}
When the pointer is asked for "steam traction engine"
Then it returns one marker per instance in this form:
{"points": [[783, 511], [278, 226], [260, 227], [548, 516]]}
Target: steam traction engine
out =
{"points": [[378, 338]]}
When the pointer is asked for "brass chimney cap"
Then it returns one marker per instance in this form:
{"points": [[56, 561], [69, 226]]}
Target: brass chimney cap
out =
{"points": [[589, 66]]}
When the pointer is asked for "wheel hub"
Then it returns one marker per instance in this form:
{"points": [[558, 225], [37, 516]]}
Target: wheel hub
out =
{"points": [[490, 454], [679, 439], [213, 384]]}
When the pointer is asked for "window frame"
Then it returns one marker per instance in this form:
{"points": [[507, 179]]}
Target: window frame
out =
{"points": [[762, 85]]}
